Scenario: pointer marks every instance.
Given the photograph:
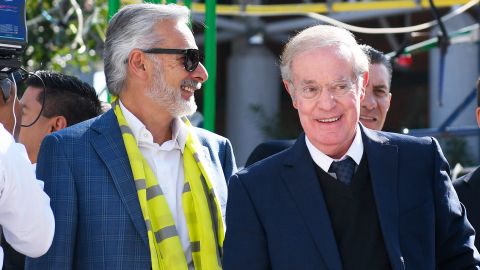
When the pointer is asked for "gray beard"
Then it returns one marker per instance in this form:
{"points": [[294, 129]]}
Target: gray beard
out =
{"points": [[169, 97], [171, 100]]}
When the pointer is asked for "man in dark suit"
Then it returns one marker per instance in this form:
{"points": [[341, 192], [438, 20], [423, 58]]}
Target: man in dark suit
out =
{"points": [[373, 108], [138, 187], [344, 196], [266, 149], [468, 187]]}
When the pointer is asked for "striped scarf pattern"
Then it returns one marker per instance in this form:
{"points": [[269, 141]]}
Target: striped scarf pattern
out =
{"points": [[200, 204]]}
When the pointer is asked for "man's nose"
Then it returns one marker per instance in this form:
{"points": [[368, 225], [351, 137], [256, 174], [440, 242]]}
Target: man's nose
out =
{"points": [[326, 100], [369, 102], [200, 73]]}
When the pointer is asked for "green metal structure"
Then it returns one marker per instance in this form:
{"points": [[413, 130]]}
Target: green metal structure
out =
{"points": [[209, 94], [113, 6]]}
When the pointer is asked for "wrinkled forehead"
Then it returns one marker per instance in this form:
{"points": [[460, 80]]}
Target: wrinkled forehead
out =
{"points": [[324, 63]]}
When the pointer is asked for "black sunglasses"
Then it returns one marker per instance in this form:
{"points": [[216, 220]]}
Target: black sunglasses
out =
{"points": [[191, 57]]}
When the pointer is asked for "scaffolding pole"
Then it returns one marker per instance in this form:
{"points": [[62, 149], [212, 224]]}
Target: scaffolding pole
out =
{"points": [[209, 94]]}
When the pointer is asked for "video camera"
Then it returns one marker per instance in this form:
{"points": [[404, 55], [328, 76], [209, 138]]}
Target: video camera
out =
{"points": [[13, 41]]}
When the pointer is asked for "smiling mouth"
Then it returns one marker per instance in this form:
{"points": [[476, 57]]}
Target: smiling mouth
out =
{"points": [[329, 120], [190, 85], [188, 88], [368, 118]]}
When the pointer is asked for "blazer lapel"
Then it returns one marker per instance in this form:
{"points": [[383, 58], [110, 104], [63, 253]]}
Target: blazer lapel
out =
{"points": [[382, 160], [301, 180], [111, 149], [217, 180]]}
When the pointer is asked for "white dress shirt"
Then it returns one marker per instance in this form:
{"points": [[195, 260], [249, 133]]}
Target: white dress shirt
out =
{"points": [[166, 162], [25, 213], [355, 151]]}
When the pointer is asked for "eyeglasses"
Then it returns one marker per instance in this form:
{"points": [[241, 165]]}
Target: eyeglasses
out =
{"points": [[336, 89], [191, 57]]}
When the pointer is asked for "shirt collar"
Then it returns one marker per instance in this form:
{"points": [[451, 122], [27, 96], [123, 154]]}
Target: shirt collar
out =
{"points": [[144, 136], [323, 161]]}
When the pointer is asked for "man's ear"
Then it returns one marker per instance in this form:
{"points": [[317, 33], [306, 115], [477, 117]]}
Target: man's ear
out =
{"points": [[389, 100], [290, 91], [364, 85], [136, 64], [57, 123]]}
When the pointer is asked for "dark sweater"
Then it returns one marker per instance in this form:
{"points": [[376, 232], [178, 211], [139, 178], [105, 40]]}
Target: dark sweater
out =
{"points": [[354, 218]]}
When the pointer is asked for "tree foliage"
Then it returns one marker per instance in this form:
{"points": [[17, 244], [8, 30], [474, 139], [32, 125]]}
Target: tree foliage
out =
{"points": [[65, 32]]}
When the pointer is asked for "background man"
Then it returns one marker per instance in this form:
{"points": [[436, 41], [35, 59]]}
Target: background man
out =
{"points": [[67, 101], [138, 188], [25, 214], [468, 187], [344, 196], [375, 105], [373, 109]]}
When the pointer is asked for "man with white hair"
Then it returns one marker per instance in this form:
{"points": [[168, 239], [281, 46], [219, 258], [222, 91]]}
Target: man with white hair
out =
{"points": [[344, 196], [373, 108], [139, 187]]}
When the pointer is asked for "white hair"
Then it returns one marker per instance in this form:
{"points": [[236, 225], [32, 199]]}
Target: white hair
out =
{"points": [[321, 36]]}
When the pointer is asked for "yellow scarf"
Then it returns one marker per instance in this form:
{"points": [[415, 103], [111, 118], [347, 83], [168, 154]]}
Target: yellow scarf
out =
{"points": [[200, 206]]}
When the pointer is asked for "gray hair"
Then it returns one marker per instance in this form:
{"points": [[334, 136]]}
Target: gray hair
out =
{"points": [[133, 27], [321, 36]]}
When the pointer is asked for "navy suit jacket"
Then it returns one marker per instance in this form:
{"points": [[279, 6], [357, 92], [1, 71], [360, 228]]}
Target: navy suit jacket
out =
{"points": [[277, 217], [99, 222], [266, 149], [468, 190]]}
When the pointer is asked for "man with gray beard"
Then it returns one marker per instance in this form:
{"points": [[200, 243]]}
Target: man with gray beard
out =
{"points": [[139, 187]]}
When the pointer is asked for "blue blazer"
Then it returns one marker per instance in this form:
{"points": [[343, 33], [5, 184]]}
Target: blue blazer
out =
{"points": [[99, 222], [277, 217]]}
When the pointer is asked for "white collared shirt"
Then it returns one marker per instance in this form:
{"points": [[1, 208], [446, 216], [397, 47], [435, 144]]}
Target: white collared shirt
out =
{"points": [[166, 162], [355, 151], [25, 213]]}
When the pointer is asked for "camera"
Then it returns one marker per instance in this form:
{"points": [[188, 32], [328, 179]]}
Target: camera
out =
{"points": [[13, 41]]}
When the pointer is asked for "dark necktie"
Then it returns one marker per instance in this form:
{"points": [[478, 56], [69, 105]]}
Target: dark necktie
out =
{"points": [[343, 169]]}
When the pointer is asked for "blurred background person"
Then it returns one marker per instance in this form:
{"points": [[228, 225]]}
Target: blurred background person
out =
{"points": [[468, 187], [53, 101], [374, 107]]}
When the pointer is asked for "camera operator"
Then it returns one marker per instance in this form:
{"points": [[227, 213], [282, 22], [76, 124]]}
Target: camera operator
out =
{"points": [[25, 214]]}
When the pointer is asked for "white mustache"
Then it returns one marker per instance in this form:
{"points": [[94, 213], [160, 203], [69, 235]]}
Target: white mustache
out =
{"points": [[191, 83]]}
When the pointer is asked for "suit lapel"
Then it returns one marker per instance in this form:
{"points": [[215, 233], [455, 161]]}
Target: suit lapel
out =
{"points": [[111, 149], [383, 165], [299, 176]]}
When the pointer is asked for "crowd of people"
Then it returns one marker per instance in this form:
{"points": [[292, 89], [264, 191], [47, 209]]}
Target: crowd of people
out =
{"points": [[137, 186]]}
